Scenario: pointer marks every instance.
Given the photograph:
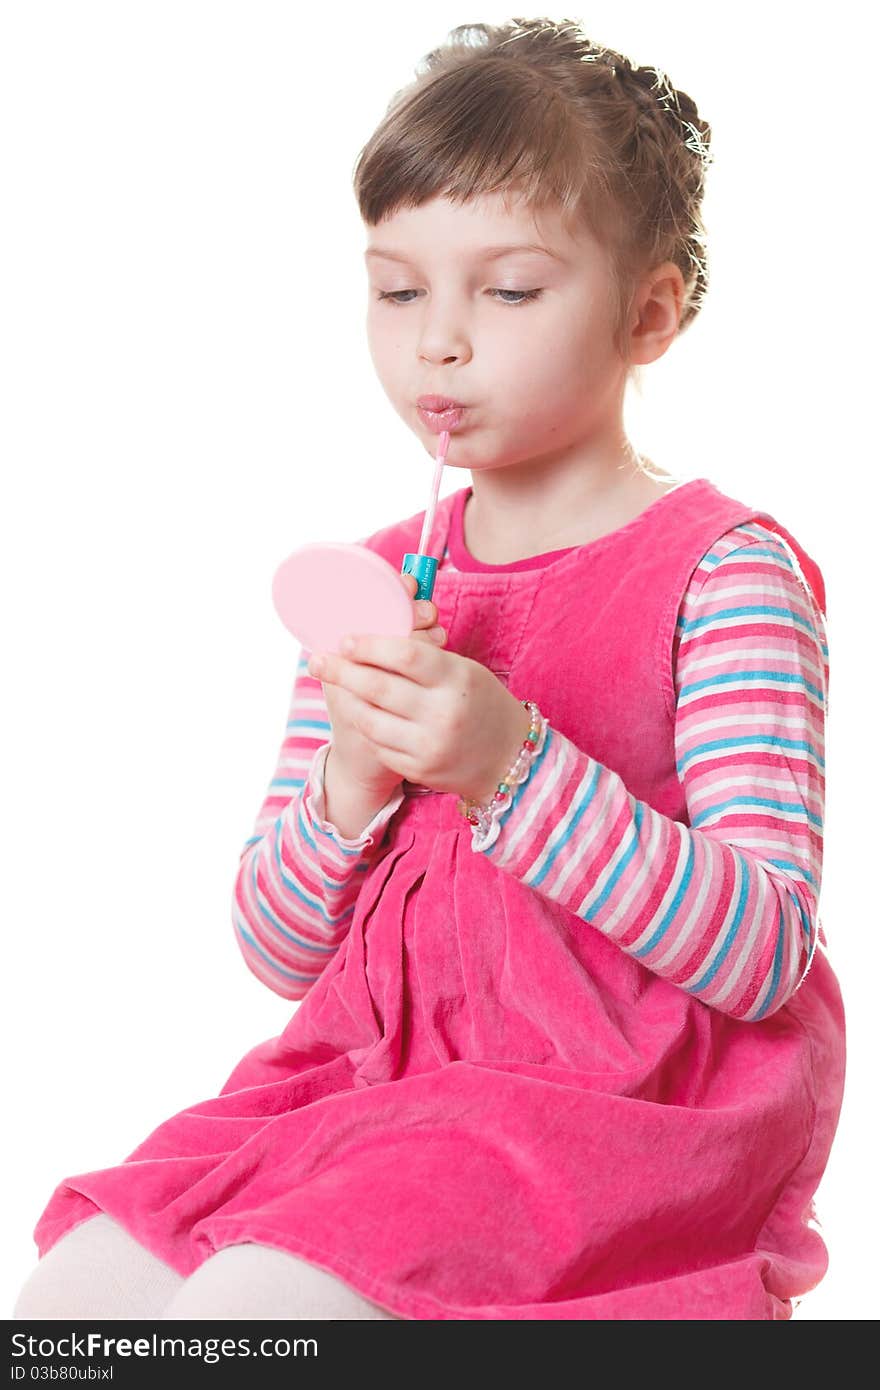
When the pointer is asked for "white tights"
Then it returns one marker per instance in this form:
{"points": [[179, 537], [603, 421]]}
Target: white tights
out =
{"points": [[97, 1270]]}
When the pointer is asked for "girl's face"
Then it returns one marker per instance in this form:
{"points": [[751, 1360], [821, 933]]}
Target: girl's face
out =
{"points": [[523, 340]]}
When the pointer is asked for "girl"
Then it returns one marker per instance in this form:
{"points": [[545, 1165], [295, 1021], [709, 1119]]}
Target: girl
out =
{"points": [[544, 875]]}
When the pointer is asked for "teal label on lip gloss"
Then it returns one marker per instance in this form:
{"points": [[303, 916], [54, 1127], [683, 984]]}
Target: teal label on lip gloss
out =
{"points": [[424, 567]]}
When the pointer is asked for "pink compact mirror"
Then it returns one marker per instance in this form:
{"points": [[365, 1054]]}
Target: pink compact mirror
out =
{"points": [[322, 592]]}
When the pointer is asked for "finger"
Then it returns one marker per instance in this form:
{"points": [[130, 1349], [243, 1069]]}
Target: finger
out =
{"points": [[373, 684], [426, 612], [400, 655], [386, 729], [426, 609]]}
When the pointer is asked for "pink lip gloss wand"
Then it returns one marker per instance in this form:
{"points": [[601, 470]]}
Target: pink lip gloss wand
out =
{"points": [[423, 566]]}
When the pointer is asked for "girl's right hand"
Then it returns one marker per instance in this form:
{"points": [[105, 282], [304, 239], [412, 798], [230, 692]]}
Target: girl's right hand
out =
{"points": [[353, 753]]}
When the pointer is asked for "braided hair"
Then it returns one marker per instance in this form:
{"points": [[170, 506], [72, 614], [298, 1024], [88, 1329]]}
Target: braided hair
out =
{"points": [[535, 106]]}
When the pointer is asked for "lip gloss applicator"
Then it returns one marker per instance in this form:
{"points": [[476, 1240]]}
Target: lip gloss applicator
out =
{"points": [[424, 566]]}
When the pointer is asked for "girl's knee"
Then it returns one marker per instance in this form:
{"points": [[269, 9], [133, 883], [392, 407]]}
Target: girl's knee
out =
{"points": [[39, 1295], [248, 1281], [96, 1269]]}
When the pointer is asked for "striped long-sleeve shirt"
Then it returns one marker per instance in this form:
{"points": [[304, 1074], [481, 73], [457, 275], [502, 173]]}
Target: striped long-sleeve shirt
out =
{"points": [[724, 907]]}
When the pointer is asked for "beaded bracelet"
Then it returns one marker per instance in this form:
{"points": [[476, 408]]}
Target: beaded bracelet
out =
{"points": [[486, 818]]}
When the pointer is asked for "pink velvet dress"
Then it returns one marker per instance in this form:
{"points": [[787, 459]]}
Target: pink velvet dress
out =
{"points": [[487, 1105]]}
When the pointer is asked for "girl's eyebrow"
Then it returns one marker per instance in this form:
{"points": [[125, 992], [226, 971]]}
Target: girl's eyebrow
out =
{"points": [[487, 253]]}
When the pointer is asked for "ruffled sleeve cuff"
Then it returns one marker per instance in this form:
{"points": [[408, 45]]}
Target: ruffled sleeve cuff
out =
{"points": [[316, 807]]}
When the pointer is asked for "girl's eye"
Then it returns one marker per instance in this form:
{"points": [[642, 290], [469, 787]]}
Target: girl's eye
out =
{"points": [[524, 296]]}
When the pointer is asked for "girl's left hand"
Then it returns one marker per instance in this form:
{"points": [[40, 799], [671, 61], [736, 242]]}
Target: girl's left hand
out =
{"points": [[436, 718]]}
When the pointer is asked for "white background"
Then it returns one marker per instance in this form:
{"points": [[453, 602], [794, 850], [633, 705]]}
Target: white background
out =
{"points": [[187, 396]]}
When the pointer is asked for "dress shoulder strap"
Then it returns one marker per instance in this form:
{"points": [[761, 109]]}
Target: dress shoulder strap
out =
{"points": [[809, 568]]}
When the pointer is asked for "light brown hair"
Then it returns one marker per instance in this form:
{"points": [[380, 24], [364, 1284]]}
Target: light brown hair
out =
{"points": [[535, 108]]}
